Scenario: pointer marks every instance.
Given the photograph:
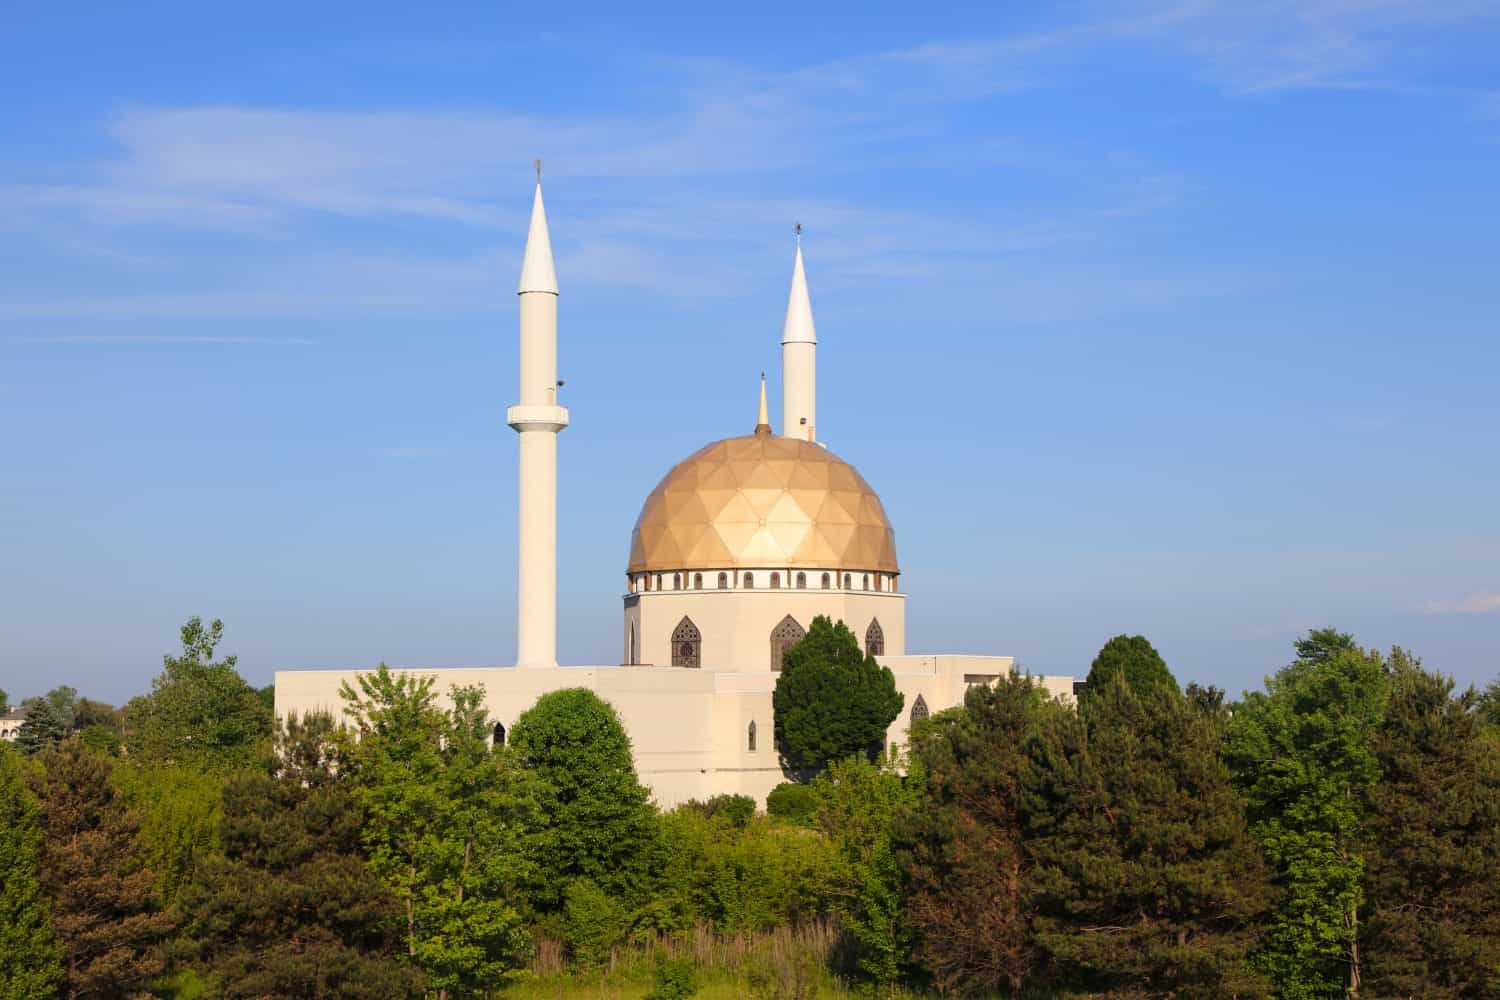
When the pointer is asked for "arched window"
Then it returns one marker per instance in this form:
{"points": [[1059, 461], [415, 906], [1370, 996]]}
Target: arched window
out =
{"points": [[866, 584], [687, 645], [497, 739], [875, 638], [658, 581], [847, 584], [783, 637], [723, 580], [801, 581], [919, 709], [750, 741], [749, 581], [630, 645], [827, 581], [676, 581], [697, 581], [775, 581]]}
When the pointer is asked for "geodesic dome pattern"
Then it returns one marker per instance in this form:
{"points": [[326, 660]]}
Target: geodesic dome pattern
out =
{"points": [[761, 502]]}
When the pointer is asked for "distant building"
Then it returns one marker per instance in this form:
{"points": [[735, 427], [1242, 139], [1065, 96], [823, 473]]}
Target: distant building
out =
{"points": [[10, 724], [734, 553]]}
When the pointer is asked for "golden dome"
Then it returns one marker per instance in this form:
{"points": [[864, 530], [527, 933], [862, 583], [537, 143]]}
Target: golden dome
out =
{"points": [[761, 502]]}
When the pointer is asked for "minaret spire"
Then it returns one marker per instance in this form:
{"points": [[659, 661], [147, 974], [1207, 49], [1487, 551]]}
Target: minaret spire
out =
{"points": [[538, 420], [799, 346], [763, 420]]}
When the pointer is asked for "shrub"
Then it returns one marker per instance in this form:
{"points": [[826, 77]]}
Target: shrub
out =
{"points": [[674, 979], [737, 809], [793, 803], [593, 922]]}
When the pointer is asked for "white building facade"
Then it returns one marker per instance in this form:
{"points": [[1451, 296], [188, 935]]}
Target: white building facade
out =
{"points": [[735, 552]]}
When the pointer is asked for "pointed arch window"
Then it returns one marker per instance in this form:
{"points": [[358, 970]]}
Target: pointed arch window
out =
{"points": [[687, 645], [827, 581], [630, 645], [497, 737], [784, 636], [875, 638], [801, 581], [919, 709], [750, 737], [775, 581], [723, 581]]}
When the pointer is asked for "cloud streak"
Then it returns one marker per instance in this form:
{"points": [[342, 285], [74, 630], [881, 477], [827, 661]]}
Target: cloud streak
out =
{"points": [[1482, 602]]}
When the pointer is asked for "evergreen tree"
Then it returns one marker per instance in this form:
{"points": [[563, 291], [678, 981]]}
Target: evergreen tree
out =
{"points": [[832, 700], [1433, 876], [1489, 705], [200, 712], [42, 730], [1146, 880], [1301, 751], [30, 956], [290, 908], [446, 820], [961, 847], [1134, 658], [107, 917], [600, 823]]}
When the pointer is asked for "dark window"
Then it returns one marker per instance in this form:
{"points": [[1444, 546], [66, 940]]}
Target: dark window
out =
{"points": [[630, 645], [697, 581], [775, 581], [919, 709], [875, 639], [827, 581], [847, 584], [676, 581], [723, 580], [783, 637], [751, 741], [866, 584], [687, 645], [749, 581], [498, 738], [801, 581]]}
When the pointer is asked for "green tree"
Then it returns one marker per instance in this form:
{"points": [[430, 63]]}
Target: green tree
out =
{"points": [[1433, 830], [290, 908], [180, 809], [446, 826], [1488, 706], [859, 804], [43, 728], [832, 700], [1145, 877], [200, 712], [107, 917], [1134, 658], [600, 823], [961, 848], [30, 956], [594, 922], [1301, 750]]}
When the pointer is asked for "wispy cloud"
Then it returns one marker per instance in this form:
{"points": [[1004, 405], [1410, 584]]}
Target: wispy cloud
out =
{"points": [[1479, 603], [169, 339]]}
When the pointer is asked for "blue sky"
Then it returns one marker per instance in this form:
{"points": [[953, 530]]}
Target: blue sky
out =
{"points": [[1170, 319]]}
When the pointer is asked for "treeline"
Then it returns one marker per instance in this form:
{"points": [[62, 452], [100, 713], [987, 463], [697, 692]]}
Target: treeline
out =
{"points": [[1336, 833]]}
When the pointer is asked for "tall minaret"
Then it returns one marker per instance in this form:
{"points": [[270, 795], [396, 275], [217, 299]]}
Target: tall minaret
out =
{"points": [[537, 418], [799, 361]]}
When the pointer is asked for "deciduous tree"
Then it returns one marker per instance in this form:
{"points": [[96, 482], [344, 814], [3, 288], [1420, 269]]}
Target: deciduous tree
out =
{"points": [[30, 956], [832, 700]]}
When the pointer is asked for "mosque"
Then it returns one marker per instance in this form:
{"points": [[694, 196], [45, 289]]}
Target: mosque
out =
{"points": [[734, 553]]}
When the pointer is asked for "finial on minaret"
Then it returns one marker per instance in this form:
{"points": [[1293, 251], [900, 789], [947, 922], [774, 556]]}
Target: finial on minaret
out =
{"points": [[538, 163], [763, 419], [799, 228]]}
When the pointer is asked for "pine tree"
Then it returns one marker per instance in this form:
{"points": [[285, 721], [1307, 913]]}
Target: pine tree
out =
{"points": [[43, 728], [1146, 880], [107, 917], [1433, 877], [290, 908], [30, 956], [1134, 658], [1301, 752], [961, 848]]}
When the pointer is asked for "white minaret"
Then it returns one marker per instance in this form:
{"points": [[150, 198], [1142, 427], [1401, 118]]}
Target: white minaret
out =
{"points": [[799, 359], [537, 418]]}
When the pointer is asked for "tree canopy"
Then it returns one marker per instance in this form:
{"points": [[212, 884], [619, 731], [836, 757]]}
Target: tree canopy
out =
{"points": [[1134, 658], [832, 700], [30, 955]]}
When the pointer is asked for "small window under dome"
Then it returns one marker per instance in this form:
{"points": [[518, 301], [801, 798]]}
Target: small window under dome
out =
{"points": [[827, 581], [723, 581], [801, 581], [775, 581], [697, 581], [749, 581]]}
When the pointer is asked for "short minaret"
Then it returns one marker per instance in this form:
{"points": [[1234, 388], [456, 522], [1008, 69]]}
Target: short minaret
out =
{"points": [[799, 362], [763, 418], [538, 419]]}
